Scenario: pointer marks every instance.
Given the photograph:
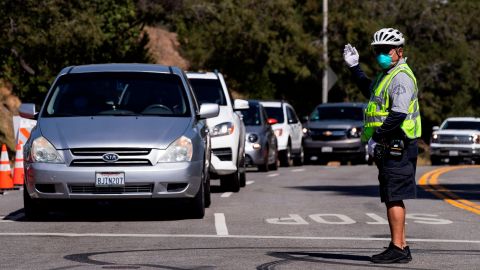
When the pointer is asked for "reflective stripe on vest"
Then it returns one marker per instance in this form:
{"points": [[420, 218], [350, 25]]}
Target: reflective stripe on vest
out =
{"points": [[378, 107]]}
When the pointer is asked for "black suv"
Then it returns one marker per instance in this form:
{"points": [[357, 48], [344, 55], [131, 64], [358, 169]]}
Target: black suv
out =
{"points": [[333, 131]]}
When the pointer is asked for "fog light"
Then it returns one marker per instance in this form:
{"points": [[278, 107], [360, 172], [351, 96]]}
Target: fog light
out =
{"points": [[256, 146]]}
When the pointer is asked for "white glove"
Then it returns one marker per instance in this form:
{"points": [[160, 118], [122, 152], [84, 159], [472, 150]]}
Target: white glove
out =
{"points": [[350, 55], [371, 147]]}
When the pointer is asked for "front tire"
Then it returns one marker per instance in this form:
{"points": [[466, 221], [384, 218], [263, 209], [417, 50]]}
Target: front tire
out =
{"points": [[34, 209], [231, 182], [197, 206], [300, 159], [286, 157]]}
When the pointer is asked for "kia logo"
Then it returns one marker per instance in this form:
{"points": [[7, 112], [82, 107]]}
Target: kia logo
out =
{"points": [[110, 157]]}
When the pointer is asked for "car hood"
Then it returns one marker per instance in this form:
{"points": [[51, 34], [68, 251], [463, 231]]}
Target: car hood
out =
{"points": [[335, 124], [456, 131], [113, 131]]}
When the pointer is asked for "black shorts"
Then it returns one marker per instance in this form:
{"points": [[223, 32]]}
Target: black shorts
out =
{"points": [[397, 174]]}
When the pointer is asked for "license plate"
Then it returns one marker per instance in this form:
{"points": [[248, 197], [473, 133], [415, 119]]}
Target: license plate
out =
{"points": [[327, 149], [109, 179], [453, 153]]}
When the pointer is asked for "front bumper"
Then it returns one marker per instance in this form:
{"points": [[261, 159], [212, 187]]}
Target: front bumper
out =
{"points": [[343, 149], [163, 180], [254, 156], [224, 154], [455, 150]]}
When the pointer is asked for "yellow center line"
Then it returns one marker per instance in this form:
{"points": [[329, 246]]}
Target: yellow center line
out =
{"points": [[429, 182]]}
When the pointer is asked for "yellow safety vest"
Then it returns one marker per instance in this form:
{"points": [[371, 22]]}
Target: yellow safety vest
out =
{"points": [[378, 107]]}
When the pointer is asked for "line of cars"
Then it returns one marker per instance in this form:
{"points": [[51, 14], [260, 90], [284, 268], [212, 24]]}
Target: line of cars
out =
{"points": [[123, 131]]}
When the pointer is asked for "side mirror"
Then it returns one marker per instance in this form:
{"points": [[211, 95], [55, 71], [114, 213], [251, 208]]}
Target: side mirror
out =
{"points": [[435, 128], [305, 118], [27, 110], [240, 104], [208, 110], [272, 121]]}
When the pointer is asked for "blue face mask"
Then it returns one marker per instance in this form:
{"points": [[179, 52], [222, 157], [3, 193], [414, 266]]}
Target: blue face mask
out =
{"points": [[384, 60]]}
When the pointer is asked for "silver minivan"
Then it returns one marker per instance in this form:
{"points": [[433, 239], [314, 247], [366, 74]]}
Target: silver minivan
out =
{"points": [[118, 131]]}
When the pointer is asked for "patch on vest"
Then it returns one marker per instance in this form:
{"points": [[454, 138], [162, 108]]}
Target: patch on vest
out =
{"points": [[399, 89]]}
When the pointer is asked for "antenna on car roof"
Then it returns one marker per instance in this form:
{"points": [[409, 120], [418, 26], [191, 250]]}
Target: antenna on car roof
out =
{"points": [[171, 69], [216, 73]]}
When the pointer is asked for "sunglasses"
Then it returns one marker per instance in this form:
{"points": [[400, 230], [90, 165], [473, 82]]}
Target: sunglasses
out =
{"points": [[382, 49]]}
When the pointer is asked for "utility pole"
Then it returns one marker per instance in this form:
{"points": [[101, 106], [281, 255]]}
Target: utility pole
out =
{"points": [[325, 53]]}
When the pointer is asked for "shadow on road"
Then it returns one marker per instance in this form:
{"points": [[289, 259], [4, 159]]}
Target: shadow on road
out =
{"points": [[465, 191], [113, 210]]}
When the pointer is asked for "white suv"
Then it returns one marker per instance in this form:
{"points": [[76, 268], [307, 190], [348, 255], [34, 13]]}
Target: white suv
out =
{"points": [[227, 130], [288, 130]]}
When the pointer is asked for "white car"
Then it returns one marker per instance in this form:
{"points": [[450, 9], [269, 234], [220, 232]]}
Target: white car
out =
{"points": [[457, 139], [288, 130], [227, 130]]}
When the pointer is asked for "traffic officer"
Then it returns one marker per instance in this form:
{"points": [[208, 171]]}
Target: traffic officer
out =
{"points": [[392, 126]]}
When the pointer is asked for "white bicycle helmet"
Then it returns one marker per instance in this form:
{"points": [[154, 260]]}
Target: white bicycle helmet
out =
{"points": [[388, 36]]}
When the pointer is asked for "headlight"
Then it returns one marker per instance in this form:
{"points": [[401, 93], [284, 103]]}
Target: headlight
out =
{"points": [[43, 151], [476, 138], [252, 138], [305, 131], [222, 129], [278, 132], [434, 138], [180, 150], [355, 132]]}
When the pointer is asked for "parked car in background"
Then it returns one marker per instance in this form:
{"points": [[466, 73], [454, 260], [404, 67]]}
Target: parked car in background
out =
{"points": [[333, 131], [260, 140], [118, 131], [456, 140], [288, 130], [227, 129]]}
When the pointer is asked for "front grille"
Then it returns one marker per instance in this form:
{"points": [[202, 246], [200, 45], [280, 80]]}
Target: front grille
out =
{"points": [[91, 189], [101, 163], [224, 154], [455, 139], [320, 134], [92, 157]]}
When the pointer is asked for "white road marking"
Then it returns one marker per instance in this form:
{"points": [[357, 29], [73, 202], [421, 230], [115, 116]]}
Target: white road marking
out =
{"points": [[298, 170], [273, 175], [281, 237], [226, 194], [250, 182], [220, 224]]}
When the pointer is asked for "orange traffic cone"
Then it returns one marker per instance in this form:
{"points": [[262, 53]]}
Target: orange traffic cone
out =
{"points": [[18, 169], [6, 181]]}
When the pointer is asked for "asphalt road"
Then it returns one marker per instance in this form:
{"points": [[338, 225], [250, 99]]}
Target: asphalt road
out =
{"points": [[310, 217]]}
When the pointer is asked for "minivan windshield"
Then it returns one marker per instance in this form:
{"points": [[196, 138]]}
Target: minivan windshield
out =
{"points": [[119, 94], [208, 91], [461, 125], [251, 117], [337, 113]]}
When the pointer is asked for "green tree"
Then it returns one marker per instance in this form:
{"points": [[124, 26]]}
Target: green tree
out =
{"points": [[40, 38]]}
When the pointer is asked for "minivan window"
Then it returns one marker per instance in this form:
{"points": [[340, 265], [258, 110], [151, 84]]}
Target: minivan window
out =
{"points": [[208, 91], [337, 113], [119, 94], [461, 125], [275, 112]]}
